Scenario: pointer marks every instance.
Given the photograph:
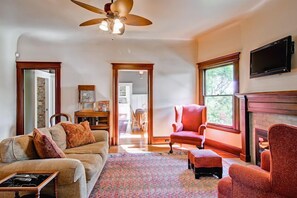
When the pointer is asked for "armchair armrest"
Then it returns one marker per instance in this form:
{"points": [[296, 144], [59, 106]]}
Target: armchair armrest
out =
{"points": [[265, 160], [177, 126], [253, 178], [201, 128]]}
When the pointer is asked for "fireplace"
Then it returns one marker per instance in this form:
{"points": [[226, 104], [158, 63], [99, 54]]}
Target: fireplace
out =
{"points": [[261, 144], [279, 103]]}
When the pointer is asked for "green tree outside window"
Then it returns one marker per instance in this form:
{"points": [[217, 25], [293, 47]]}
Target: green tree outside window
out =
{"points": [[218, 93]]}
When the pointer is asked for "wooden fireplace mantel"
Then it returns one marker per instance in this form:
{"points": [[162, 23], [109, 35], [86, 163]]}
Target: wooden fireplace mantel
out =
{"points": [[280, 102]]}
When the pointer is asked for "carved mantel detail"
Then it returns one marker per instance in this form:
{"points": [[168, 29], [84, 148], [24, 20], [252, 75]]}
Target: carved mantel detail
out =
{"points": [[281, 102]]}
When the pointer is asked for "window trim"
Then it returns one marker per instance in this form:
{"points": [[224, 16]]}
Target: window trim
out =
{"points": [[217, 62]]}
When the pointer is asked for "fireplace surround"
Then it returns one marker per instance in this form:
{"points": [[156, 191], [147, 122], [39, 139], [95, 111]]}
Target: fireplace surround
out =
{"points": [[261, 144], [281, 102]]}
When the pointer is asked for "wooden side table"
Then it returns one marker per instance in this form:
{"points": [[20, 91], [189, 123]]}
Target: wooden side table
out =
{"points": [[99, 120], [19, 181]]}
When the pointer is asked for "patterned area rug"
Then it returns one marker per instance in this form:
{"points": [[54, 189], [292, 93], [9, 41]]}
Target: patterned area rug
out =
{"points": [[153, 175]]}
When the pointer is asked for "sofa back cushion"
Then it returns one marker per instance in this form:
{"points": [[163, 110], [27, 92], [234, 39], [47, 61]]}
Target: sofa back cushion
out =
{"points": [[17, 148], [78, 134], [45, 146], [58, 135], [192, 117]]}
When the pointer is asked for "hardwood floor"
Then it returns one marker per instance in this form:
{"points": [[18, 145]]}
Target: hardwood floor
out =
{"points": [[136, 142], [142, 147]]}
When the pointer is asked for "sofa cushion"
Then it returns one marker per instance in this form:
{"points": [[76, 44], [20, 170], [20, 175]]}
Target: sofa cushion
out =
{"points": [[95, 148], [59, 135], [45, 146], [78, 134], [92, 163], [17, 148], [45, 131]]}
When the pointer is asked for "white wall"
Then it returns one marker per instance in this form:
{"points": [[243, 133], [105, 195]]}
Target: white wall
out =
{"points": [[273, 21], [8, 46], [90, 63]]}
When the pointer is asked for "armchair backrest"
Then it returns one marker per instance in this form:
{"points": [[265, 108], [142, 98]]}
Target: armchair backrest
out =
{"points": [[191, 116], [283, 150]]}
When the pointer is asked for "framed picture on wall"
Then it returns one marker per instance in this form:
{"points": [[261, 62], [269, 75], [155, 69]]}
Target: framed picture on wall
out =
{"points": [[87, 96], [86, 93]]}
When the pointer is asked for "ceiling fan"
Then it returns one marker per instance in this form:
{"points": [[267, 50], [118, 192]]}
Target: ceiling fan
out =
{"points": [[117, 16]]}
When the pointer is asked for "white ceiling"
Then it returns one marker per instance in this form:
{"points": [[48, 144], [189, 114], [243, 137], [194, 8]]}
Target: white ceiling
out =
{"points": [[172, 19]]}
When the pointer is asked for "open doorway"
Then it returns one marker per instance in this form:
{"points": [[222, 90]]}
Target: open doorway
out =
{"points": [[132, 99], [39, 95], [133, 103], [22, 67]]}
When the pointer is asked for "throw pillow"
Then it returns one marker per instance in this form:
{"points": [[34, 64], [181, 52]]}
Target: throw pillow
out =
{"points": [[45, 146], [78, 134]]}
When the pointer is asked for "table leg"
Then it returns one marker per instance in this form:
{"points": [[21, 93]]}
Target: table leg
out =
{"points": [[17, 194], [56, 186], [37, 195]]}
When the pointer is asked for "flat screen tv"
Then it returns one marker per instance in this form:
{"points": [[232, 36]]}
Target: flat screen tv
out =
{"points": [[272, 58]]}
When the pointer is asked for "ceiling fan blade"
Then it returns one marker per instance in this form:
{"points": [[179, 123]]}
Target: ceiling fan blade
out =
{"points": [[92, 22], [123, 7], [89, 7], [135, 20]]}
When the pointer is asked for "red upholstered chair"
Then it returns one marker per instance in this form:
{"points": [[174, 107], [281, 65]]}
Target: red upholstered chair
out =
{"points": [[189, 126], [277, 176]]}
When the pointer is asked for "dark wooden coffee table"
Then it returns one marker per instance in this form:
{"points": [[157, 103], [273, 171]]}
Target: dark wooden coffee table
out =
{"points": [[29, 181]]}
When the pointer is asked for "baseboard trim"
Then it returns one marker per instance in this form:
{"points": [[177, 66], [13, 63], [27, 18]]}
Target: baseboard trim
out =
{"points": [[161, 140], [224, 147]]}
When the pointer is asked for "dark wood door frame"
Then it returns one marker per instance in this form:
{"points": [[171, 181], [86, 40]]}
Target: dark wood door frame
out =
{"points": [[115, 78], [21, 66]]}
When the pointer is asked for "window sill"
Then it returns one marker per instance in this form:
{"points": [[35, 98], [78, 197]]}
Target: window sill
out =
{"points": [[222, 128]]}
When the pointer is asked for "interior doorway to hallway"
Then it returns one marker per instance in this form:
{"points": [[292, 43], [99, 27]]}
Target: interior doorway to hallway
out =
{"points": [[132, 103], [132, 97]]}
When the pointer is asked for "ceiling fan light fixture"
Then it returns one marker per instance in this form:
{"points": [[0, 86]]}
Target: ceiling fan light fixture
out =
{"points": [[116, 31], [116, 16], [116, 27], [118, 24], [104, 26]]}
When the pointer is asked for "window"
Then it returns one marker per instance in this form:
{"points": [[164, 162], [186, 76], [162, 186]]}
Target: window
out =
{"points": [[218, 83]]}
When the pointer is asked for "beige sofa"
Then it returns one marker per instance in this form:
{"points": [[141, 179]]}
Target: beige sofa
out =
{"points": [[78, 172]]}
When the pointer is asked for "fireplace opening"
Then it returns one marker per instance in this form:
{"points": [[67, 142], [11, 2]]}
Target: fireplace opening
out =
{"points": [[261, 144]]}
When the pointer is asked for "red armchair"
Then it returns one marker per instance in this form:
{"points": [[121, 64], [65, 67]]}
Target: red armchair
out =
{"points": [[277, 176], [189, 126]]}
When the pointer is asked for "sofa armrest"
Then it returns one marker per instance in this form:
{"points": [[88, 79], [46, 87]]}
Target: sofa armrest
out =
{"points": [[253, 178], [265, 160], [70, 170], [177, 126], [100, 135]]}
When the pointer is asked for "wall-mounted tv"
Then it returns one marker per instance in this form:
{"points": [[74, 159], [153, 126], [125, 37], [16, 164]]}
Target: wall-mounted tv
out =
{"points": [[272, 58]]}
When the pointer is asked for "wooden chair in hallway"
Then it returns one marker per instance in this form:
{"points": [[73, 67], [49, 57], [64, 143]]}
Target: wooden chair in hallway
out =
{"points": [[66, 116]]}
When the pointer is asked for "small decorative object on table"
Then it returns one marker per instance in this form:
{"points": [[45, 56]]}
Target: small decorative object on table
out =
{"points": [[29, 181], [103, 105]]}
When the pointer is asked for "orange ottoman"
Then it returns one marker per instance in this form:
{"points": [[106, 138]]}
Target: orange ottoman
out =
{"points": [[205, 162]]}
